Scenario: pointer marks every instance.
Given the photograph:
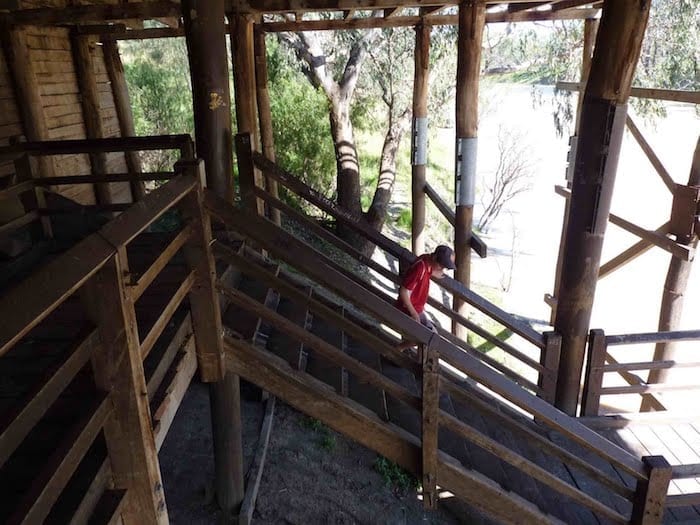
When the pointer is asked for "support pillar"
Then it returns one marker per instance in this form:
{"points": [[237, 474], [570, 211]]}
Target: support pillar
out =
{"points": [[603, 117], [265, 114], [89, 98], [120, 93], [419, 142], [472, 17], [206, 44], [243, 58], [678, 274]]}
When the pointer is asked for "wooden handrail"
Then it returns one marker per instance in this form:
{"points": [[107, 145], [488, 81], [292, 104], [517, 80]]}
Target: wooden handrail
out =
{"points": [[58, 279], [360, 226], [286, 247], [653, 337], [476, 243]]}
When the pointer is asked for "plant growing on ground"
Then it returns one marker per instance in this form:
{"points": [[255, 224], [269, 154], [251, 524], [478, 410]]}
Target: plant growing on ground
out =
{"points": [[395, 476], [326, 439]]}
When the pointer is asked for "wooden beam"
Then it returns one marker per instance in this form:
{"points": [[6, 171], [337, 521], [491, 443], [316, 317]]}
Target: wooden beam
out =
{"points": [[122, 104], [82, 47], [118, 369], [430, 421], [649, 152], [526, 6], [392, 11], [208, 59], [649, 502], [92, 13], [688, 97], [419, 142], [681, 251], [630, 253]]}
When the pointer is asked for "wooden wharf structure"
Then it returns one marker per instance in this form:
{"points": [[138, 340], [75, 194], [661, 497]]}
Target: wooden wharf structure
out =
{"points": [[114, 297]]}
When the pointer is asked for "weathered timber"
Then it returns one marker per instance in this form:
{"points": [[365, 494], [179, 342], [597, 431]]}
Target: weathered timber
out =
{"points": [[604, 112], [265, 113], [293, 251], [182, 338], [430, 420], [675, 285], [118, 369], [651, 494], [549, 359], [110, 177], [419, 136], [360, 226], [688, 97], [71, 147], [593, 380], [432, 20], [120, 93], [92, 116], [92, 13], [206, 44], [634, 251], [649, 152], [206, 315], [653, 337], [472, 17], [17, 423]]}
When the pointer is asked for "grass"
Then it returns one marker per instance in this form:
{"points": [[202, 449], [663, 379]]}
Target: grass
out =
{"points": [[324, 436], [395, 476]]}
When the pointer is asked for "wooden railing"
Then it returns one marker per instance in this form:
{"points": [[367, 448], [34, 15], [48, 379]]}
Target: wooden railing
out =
{"points": [[541, 359], [30, 188], [261, 366], [97, 271], [602, 363]]}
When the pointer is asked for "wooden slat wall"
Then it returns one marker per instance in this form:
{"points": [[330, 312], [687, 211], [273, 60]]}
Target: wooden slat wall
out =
{"points": [[50, 50], [10, 121], [116, 162]]}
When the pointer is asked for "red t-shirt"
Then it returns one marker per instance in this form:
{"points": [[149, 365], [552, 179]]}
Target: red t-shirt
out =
{"points": [[417, 281]]}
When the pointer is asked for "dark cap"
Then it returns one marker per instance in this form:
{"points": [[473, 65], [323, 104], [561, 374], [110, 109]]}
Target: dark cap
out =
{"points": [[443, 255]]}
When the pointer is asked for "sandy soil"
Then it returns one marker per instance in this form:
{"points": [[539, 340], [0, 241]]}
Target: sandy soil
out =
{"points": [[312, 474]]}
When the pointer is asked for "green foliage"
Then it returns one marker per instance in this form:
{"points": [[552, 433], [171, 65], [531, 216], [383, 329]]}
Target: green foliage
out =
{"points": [[325, 438], [403, 220], [302, 136], [158, 79], [395, 476]]}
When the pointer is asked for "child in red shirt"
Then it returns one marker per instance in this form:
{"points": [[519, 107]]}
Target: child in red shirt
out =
{"points": [[413, 293]]}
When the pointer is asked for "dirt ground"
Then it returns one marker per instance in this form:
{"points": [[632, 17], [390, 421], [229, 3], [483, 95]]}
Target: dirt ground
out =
{"points": [[312, 474]]}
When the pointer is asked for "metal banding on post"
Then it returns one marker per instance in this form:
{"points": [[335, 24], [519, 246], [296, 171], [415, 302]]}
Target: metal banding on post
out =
{"points": [[465, 179], [420, 141]]}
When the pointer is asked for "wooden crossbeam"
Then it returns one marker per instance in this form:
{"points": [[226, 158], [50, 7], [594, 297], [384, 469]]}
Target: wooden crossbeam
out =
{"points": [[674, 95], [630, 253], [525, 6], [392, 11], [92, 13], [561, 5]]}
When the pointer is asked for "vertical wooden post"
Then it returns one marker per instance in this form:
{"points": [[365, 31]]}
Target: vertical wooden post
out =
{"points": [[650, 496], [593, 380], [246, 180], [206, 44], [26, 87], [549, 358], [676, 282], [472, 17], [120, 93], [419, 142], [90, 101], [204, 303], [602, 125], [243, 58], [430, 421], [25, 170], [118, 369], [265, 114], [590, 30]]}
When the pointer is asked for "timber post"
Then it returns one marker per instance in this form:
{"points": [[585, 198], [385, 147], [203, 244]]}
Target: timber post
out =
{"points": [[118, 370], [89, 99], [120, 93], [243, 58], [549, 358], [593, 380], [246, 176], [472, 18], [684, 217], [650, 494], [206, 44], [430, 420], [265, 115], [419, 135], [603, 118]]}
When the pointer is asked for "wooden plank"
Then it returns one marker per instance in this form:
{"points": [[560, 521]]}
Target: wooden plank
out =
{"points": [[119, 369], [630, 253], [110, 177], [19, 222], [653, 337], [430, 420], [93, 13], [655, 161], [147, 277], [35, 505], [649, 504], [296, 253], [185, 370], [245, 515], [181, 338], [92, 494], [360, 226], [166, 315], [17, 423], [688, 97], [681, 251]]}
